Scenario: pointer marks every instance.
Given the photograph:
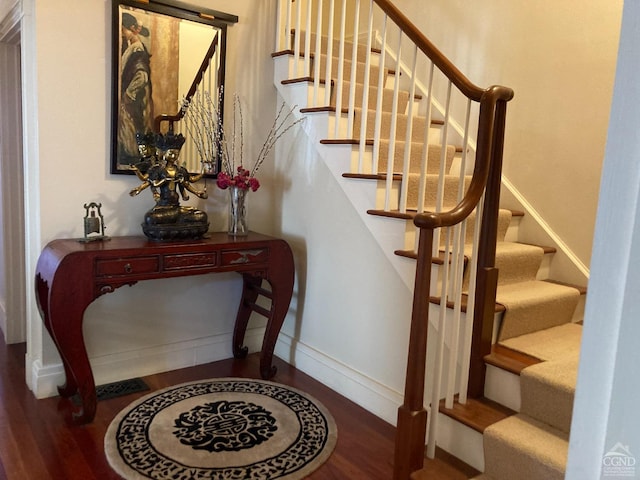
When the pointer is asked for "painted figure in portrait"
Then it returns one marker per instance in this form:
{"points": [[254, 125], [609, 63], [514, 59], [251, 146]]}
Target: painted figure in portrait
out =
{"points": [[136, 103]]}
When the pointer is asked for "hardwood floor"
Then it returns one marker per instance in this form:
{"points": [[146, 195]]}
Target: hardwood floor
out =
{"points": [[37, 443]]}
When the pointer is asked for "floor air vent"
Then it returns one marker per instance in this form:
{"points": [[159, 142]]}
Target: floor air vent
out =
{"points": [[118, 389]]}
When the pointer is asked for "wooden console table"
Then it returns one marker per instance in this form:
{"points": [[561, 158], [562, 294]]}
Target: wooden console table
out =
{"points": [[70, 275]]}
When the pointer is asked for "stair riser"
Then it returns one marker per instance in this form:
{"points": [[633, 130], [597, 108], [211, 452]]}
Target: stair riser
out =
{"points": [[416, 158], [460, 441], [503, 387], [348, 47], [516, 466], [553, 406], [451, 195], [417, 128], [531, 319], [438, 269], [374, 71], [510, 232], [372, 99]]}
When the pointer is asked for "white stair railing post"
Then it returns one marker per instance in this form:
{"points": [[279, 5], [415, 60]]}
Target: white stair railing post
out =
{"points": [[381, 85], [365, 96], [340, 79], [394, 126], [327, 76], [317, 55], [354, 64]]}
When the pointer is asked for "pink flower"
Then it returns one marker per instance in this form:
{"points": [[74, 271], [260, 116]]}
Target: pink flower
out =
{"points": [[254, 184], [223, 181], [242, 179]]}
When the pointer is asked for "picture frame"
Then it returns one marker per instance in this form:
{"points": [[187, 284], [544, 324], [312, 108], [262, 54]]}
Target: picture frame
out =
{"points": [[162, 53]]}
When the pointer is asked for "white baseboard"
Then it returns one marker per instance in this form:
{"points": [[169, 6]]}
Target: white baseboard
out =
{"points": [[371, 395], [357, 387], [147, 361]]}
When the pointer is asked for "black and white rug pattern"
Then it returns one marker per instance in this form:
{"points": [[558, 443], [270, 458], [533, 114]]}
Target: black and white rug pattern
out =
{"points": [[228, 428]]}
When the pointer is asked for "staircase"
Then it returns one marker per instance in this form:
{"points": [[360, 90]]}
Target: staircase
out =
{"points": [[515, 421]]}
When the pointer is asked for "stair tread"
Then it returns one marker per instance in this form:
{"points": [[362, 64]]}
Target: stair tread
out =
{"points": [[283, 53], [545, 249], [477, 413], [548, 344], [510, 360], [463, 303], [330, 109], [306, 79]]}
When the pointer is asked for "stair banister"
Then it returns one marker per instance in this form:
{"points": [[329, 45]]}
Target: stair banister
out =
{"points": [[481, 196], [409, 450]]}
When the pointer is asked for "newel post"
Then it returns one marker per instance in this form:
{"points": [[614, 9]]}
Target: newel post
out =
{"points": [[412, 416], [487, 273]]}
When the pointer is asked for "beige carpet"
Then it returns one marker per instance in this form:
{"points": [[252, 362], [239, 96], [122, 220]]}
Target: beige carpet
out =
{"points": [[229, 428], [550, 344], [535, 305], [521, 448]]}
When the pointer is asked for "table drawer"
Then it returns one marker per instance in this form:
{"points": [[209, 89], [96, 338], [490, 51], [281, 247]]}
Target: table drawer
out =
{"points": [[245, 257], [127, 266], [189, 261]]}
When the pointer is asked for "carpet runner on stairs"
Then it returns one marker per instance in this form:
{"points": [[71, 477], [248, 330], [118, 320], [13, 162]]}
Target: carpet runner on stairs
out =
{"points": [[523, 448], [534, 443]]}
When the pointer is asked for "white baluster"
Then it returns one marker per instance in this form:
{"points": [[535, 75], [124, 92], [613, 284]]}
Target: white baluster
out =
{"points": [[339, 82], [317, 55]]}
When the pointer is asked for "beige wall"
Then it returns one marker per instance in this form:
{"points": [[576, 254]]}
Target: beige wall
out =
{"points": [[559, 57], [160, 324]]}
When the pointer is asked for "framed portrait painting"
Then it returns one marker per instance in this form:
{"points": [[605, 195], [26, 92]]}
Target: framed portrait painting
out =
{"points": [[163, 51]]}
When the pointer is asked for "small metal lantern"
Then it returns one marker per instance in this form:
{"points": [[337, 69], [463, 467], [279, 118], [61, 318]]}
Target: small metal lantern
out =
{"points": [[93, 223]]}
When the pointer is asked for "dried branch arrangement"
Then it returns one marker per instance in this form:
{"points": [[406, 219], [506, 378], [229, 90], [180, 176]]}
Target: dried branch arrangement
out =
{"points": [[204, 123]]}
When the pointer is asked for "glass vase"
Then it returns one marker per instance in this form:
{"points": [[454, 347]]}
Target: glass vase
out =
{"points": [[238, 211]]}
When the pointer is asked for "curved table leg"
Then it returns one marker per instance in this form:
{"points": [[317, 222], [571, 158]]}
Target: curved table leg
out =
{"points": [[65, 326], [249, 296], [281, 276]]}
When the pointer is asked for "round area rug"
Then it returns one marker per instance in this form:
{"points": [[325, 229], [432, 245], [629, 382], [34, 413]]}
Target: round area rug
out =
{"points": [[227, 428]]}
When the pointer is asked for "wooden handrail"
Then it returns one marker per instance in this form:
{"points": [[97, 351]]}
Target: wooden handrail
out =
{"points": [[424, 44], [489, 102]]}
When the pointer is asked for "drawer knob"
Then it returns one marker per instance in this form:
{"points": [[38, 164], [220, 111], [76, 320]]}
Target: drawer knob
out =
{"points": [[127, 268]]}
